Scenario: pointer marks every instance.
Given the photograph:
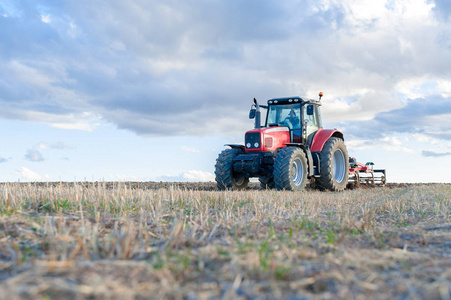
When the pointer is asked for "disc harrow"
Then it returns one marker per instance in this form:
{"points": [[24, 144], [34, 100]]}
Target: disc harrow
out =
{"points": [[365, 174]]}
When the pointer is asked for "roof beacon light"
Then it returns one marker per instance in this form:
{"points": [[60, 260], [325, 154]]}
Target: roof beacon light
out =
{"points": [[320, 95]]}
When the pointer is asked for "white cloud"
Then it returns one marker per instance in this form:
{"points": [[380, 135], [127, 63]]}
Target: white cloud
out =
{"points": [[358, 144], [387, 143], [27, 174], [84, 121], [76, 126], [46, 18], [424, 86], [425, 139], [443, 87], [190, 149], [365, 10], [191, 175], [394, 144], [194, 175]]}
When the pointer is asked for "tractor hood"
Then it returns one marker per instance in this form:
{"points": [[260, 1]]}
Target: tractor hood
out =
{"points": [[266, 139]]}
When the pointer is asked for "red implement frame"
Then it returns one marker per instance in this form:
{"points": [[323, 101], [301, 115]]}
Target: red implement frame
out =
{"points": [[365, 174]]}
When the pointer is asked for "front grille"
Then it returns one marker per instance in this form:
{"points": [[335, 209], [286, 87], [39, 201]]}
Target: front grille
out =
{"points": [[252, 140], [268, 142]]}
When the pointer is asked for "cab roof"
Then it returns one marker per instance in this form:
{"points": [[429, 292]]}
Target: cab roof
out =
{"points": [[290, 100]]}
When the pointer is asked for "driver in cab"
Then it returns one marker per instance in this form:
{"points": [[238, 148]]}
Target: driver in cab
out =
{"points": [[293, 120]]}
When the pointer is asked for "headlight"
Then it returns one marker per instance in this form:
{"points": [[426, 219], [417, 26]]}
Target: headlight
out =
{"points": [[256, 145], [248, 145]]}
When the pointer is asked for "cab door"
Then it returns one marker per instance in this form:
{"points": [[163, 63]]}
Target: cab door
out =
{"points": [[313, 119]]}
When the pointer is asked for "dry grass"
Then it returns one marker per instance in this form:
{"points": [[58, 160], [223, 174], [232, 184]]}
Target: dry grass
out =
{"points": [[126, 242]]}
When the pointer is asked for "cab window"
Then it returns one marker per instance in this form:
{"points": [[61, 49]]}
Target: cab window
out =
{"points": [[285, 115], [312, 121]]}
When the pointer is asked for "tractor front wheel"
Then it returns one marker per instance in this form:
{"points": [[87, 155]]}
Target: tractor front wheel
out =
{"points": [[226, 178], [334, 166], [290, 169]]}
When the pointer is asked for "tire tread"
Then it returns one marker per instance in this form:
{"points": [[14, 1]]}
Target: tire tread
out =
{"points": [[326, 181], [282, 177]]}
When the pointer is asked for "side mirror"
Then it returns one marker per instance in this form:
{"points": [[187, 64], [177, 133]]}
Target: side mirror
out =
{"points": [[310, 110], [252, 113]]}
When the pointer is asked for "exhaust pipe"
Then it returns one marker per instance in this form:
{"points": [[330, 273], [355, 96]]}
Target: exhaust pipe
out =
{"points": [[257, 114]]}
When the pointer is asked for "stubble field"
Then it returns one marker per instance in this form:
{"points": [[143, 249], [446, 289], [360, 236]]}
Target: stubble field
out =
{"points": [[175, 241]]}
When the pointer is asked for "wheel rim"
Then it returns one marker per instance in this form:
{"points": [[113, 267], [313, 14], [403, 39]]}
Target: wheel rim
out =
{"points": [[238, 179], [297, 171], [339, 165]]}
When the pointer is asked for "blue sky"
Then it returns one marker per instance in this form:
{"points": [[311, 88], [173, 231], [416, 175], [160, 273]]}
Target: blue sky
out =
{"points": [[152, 90]]}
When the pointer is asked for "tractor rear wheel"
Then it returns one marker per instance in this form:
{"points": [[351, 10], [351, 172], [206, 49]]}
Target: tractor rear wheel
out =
{"points": [[334, 166], [290, 169], [266, 182], [226, 178]]}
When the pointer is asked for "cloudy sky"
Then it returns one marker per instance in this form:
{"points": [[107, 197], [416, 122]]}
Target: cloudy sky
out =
{"points": [[152, 90]]}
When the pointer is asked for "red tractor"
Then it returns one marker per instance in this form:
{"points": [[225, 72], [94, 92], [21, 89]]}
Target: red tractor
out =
{"points": [[290, 149]]}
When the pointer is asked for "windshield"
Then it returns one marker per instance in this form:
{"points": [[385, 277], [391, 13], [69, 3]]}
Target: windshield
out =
{"points": [[284, 115]]}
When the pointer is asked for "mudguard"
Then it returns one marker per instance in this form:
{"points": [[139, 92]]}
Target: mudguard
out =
{"points": [[321, 136], [236, 146], [307, 152]]}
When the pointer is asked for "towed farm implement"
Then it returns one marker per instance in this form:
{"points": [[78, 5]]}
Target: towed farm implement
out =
{"points": [[290, 150], [365, 174]]}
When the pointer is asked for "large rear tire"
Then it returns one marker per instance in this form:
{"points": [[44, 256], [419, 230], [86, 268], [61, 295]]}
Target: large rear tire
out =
{"points": [[334, 166], [290, 169], [226, 178]]}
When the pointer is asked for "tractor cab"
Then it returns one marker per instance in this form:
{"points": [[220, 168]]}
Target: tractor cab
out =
{"points": [[288, 120], [302, 117]]}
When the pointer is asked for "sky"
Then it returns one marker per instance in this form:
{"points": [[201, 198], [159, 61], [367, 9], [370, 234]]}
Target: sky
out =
{"points": [[152, 90]]}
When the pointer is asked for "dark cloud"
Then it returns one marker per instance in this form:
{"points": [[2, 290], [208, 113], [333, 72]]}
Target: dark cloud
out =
{"points": [[417, 114], [430, 116], [244, 20], [93, 57], [2, 160], [193, 67], [434, 154]]}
